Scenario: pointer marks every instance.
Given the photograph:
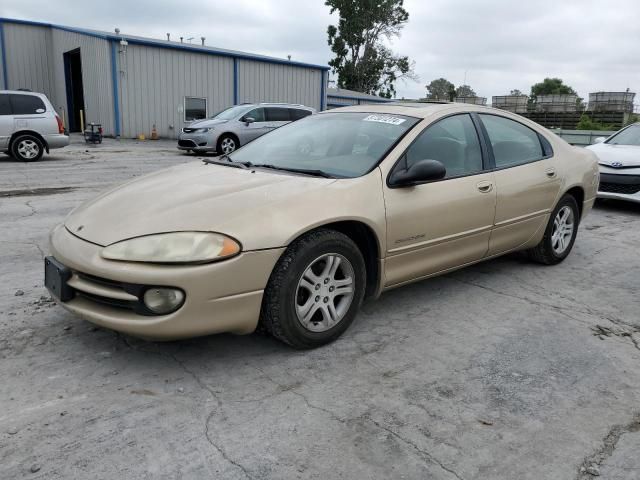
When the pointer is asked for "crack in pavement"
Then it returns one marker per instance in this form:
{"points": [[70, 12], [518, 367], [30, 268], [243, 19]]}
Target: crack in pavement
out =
{"points": [[203, 386], [623, 332], [562, 310], [609, 443], [364, 417]]}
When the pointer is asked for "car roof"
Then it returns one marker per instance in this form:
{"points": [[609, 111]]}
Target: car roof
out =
{"points": [[23, 92], [275, 104], [419, 109]]}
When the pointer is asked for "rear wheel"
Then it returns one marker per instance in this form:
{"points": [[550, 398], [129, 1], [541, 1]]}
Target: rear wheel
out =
{"points": [[227, 144], [27, 148], [560, 233], [315, 290]]}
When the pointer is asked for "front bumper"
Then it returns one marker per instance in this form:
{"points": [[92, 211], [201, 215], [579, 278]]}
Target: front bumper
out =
{"points": [[219, 297], [198, 142], [620, 186]]}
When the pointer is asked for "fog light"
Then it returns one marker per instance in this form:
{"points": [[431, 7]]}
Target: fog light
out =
{"points": [[163, 300]]}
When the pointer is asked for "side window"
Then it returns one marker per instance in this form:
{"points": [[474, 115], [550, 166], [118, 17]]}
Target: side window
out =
{"points": [[452, 141], [513, 143], [26, 104], [298, 113], [257, 114], [276, 114], [194, 108], [5, 105]]}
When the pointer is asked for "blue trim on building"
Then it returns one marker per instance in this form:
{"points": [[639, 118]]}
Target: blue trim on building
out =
{"points": [[3, 53], [171, 46], [236, 84], [114, 85], [323, 105]]}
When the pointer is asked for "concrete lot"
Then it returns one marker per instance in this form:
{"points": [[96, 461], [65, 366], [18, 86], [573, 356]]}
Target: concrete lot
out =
{"points": [[505, 370]]}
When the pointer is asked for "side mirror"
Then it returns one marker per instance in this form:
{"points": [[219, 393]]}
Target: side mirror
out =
{"points": [[248, 120], [421, 171], [599, 139]]}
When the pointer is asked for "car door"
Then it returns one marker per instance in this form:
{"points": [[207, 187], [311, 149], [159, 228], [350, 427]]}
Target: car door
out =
{"points": [[251, 131], [442, 224], [527, 183], [6, 121]]}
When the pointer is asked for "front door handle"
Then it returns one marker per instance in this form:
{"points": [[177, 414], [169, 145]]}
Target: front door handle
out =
{"points": [[551, 172], [485, 187]]}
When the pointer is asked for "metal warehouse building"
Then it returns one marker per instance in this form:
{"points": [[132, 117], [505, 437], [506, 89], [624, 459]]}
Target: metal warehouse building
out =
{"points": [[341, 97], [129, 84]]}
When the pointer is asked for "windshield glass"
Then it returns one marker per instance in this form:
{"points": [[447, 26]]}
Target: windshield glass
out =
{"points": [[230, 113], [345, 144], [628, 136]]}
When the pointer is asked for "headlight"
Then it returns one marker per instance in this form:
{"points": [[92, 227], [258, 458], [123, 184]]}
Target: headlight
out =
{"points": [[176, 247], [203, 130]]}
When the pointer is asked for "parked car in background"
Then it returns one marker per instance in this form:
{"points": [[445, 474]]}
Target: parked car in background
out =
{"points": [[238, 125], [296, 228], [619, 159], [29, 125]]}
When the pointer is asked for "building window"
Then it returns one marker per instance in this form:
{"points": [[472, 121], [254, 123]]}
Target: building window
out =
{"points": [[195, 108]]}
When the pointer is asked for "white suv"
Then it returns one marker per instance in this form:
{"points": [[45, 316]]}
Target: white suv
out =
{"points": [[29, 125]]}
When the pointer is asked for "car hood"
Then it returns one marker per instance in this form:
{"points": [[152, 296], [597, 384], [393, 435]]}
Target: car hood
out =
{"points": [[206, 123], [608, 154], [192, 196]]}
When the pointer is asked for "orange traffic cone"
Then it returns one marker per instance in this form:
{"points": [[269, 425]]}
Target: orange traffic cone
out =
{"points": [[154, 133]]}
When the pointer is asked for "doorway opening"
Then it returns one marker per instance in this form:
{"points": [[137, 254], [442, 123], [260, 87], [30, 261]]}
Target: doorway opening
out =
{"points": [[75, 92]]}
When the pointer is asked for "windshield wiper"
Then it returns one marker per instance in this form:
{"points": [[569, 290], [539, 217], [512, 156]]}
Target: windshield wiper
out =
{"points": [[313, 172], [226, 161]]}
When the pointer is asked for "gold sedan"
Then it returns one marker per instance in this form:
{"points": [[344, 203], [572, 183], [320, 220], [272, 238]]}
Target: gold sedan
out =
{"points": [[294, 230]]}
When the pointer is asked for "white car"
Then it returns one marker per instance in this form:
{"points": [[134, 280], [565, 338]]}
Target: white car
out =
{"points": [[29, 125], [619, 159]]}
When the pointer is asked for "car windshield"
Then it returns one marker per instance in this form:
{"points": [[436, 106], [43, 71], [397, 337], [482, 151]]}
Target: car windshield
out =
{"points": [[335, 144], [628, 136], [230, 113]]}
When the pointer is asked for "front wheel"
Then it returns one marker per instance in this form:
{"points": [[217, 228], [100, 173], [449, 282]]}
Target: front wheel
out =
{"points": [[227, 144], [27, 148], [560, 233], [315, 290]]}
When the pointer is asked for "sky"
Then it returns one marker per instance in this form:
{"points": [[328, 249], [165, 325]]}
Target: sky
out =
{"points": [[497, 45]]}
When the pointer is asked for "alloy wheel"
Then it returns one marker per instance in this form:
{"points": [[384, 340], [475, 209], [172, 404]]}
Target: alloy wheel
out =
{"points": [[28, 149], [228, 145], [325, 292], [563, 227]]}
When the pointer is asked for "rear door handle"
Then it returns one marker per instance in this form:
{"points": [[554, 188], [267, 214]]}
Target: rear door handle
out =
{"points": [[551, 172], [485, 187]]}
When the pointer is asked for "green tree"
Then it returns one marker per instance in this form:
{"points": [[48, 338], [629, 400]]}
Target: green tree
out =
{"points": [[515, 93], [362, 61], [587, 123], [551, 86], [440, 89], [465, 91]]}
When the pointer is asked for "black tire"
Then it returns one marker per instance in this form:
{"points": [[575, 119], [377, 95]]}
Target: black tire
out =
{"points": [[27, 148], [278, 314], [222, 140], [544, 252]]}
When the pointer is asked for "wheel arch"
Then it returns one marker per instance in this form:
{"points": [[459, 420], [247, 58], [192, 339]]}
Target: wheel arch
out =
{"points": [[577, 192], [365, 238], [28, 132], [228, 134]]}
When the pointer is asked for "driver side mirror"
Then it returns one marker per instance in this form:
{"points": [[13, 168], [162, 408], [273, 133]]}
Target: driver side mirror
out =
{"points": [[419, 172], [599, 139], [248, 120]]}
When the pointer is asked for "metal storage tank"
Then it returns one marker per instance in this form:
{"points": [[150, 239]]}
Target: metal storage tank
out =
{"points": [[557, 103], [472, 100], [611, 101], [511, 103], [130, 84]]}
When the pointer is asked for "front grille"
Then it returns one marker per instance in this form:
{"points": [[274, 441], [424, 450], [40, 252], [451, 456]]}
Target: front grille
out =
{"points": [[131, 292], [186, 143], [629, 189]]}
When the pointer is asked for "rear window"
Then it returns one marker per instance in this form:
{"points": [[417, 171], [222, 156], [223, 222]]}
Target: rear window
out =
{"points": [[274, 114], [298, 113], [26, 104], [5, 106]]}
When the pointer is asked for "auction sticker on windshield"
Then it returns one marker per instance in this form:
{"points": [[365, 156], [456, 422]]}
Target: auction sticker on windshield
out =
{"points": [[385, 119]]}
